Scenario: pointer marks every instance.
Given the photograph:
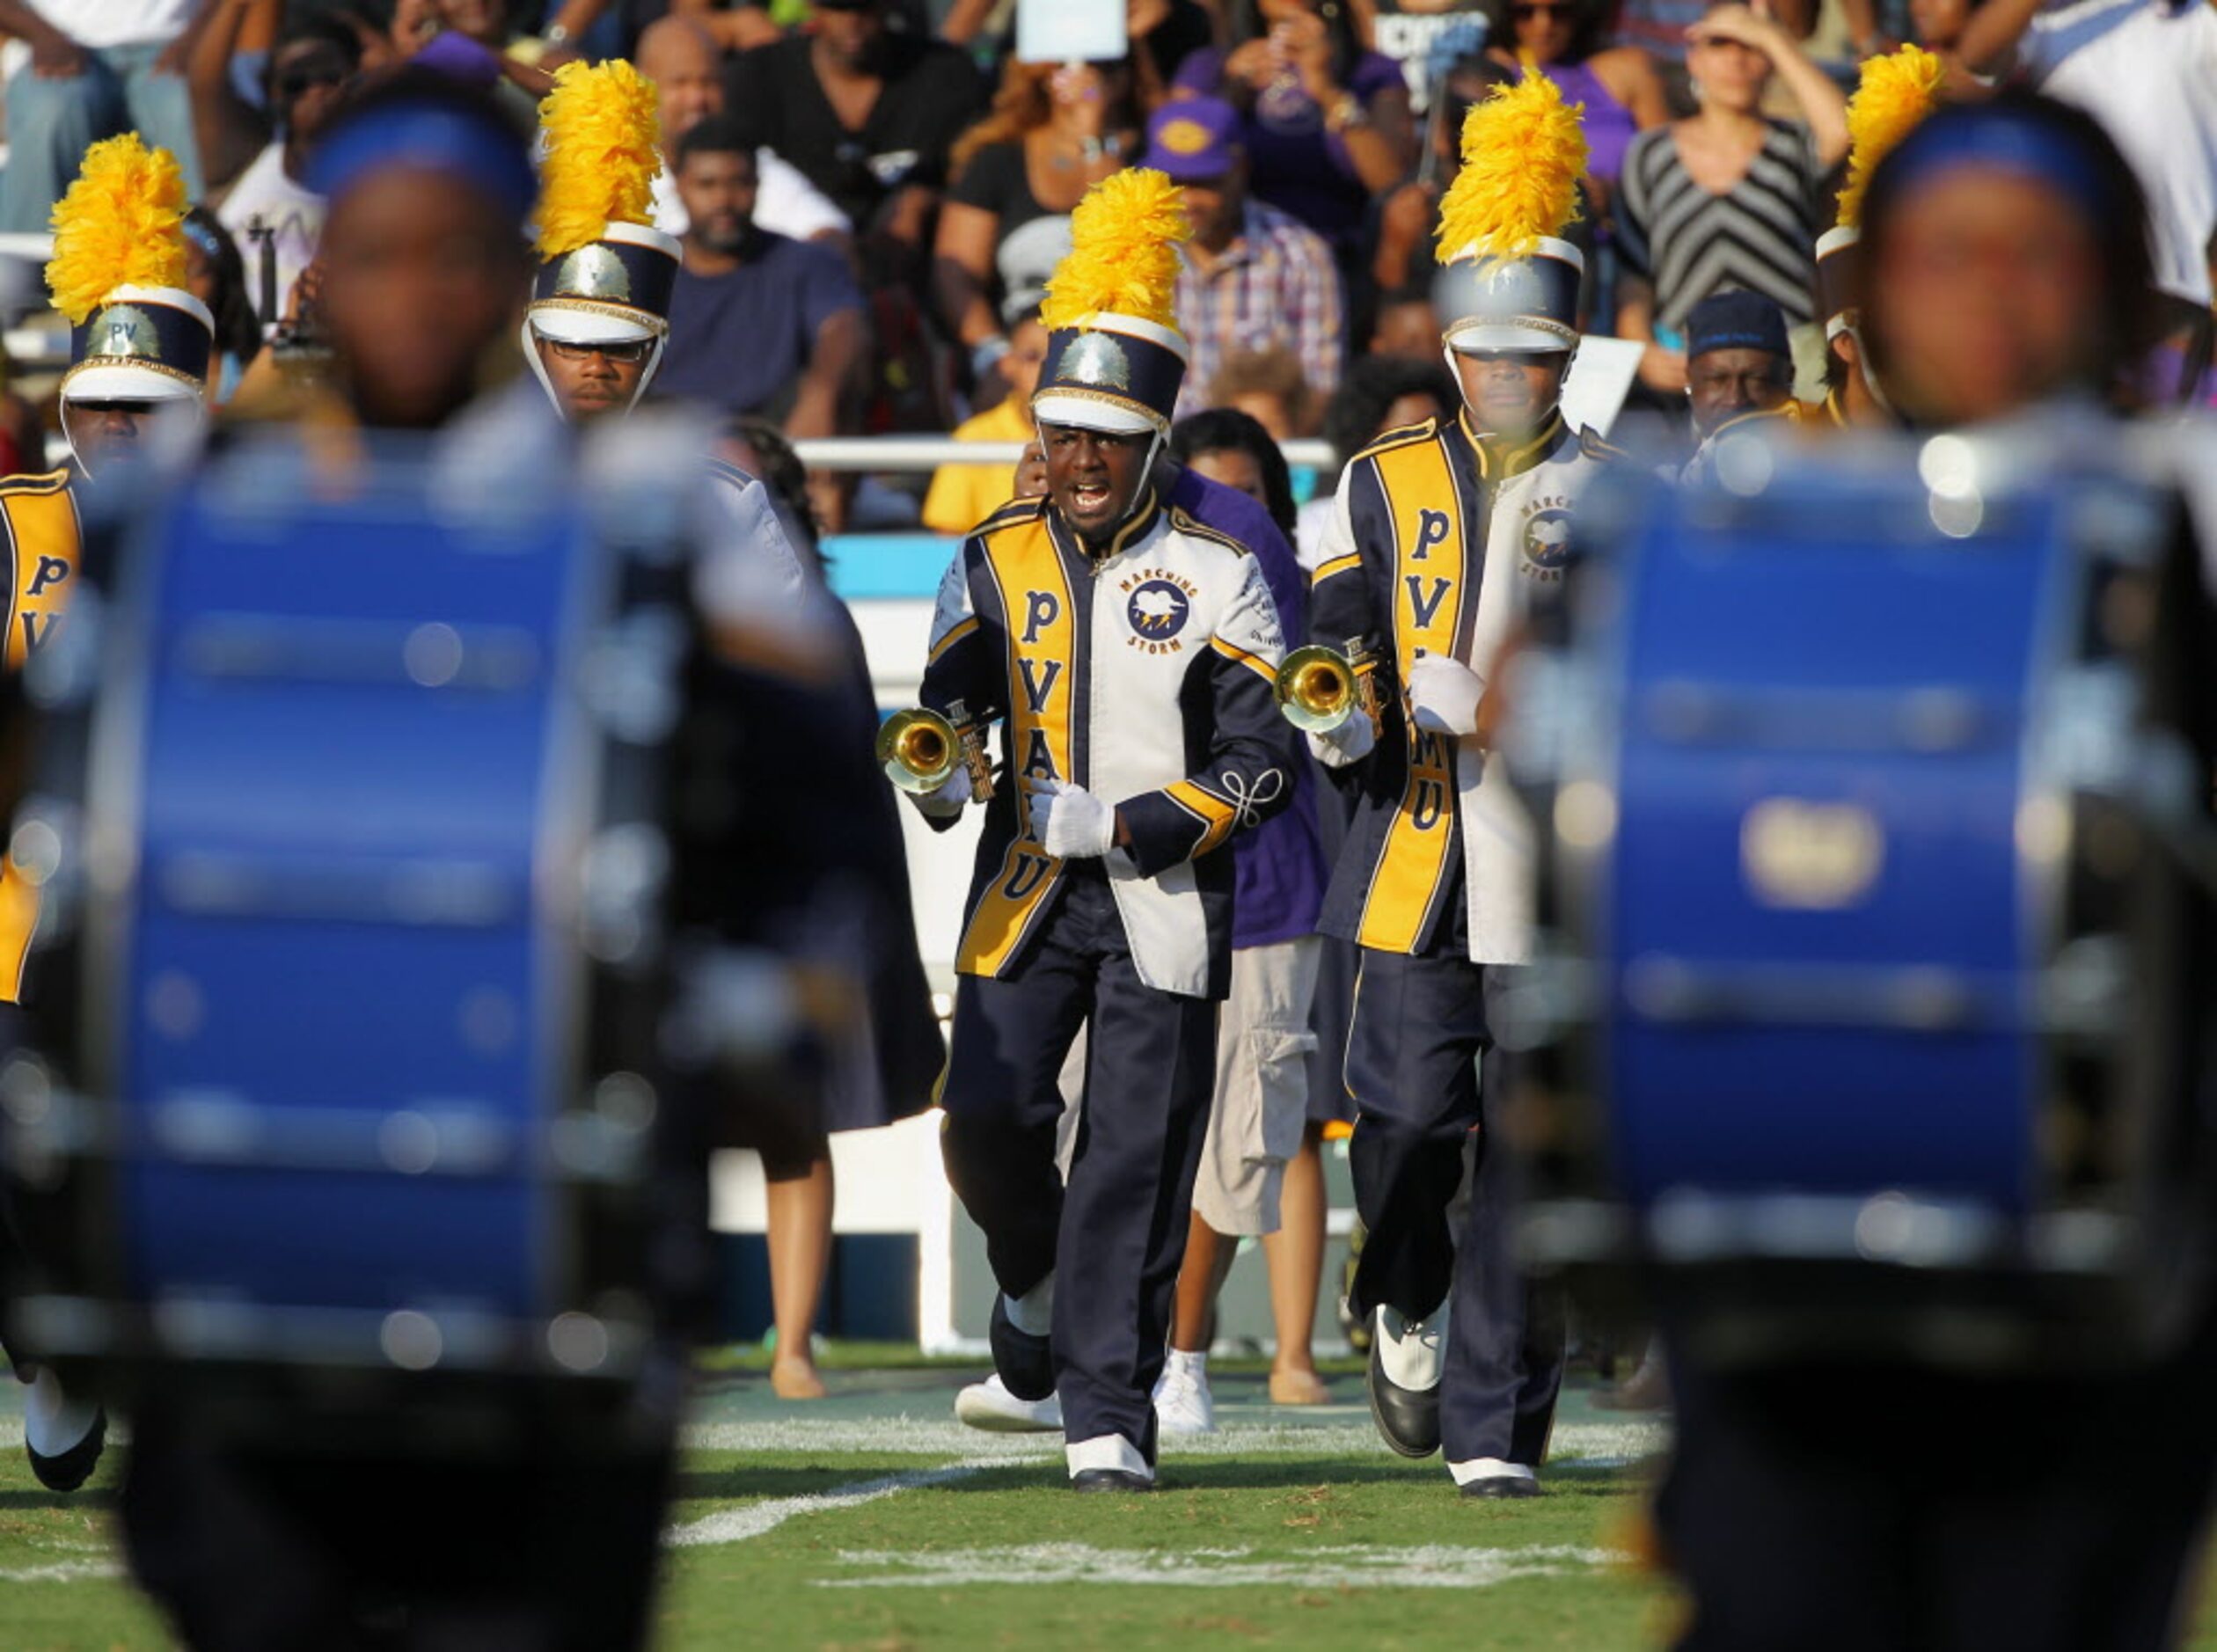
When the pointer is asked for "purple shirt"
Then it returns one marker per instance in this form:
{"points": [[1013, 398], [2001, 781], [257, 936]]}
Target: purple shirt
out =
{"points": [[1294, 161], [1278, 868]]}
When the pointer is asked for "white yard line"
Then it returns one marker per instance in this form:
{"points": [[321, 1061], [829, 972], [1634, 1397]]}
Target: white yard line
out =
{"points": [[1591, 1445], [737, 1525], [1359, 1566]]}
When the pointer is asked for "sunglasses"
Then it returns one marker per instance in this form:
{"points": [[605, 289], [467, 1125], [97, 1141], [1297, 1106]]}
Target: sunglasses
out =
{"points": [[622, 355]]}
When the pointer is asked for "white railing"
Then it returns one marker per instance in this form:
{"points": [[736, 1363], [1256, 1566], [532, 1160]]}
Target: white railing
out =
{"points": [[917, 453]]}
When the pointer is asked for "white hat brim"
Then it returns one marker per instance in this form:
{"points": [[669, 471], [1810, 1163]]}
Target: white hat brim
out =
{"points": [[552, 319], [121, 383], [1087, 412], [1500, 335]]}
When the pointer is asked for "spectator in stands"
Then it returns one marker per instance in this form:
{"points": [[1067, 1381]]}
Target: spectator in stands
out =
{"points": [[759, 322], [1326, 123], [1255, 278], [1268, 386], [867, 114], [216, 275], [302, 82], [963, 495], [1938, 25], [1727, 198], [1053, 132], [1738, 361], [94, 68], [2146, 69], [679, 55], [1404, 326], [1617, 85], [735, 28], [1402, 249]]}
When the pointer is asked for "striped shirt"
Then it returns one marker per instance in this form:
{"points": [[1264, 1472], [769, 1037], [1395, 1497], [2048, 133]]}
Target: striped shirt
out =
{"points": [[1275, 286], [1689, 243]]}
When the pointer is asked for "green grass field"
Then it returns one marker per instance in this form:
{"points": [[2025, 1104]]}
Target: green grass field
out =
{"points": [[870, 1519]]}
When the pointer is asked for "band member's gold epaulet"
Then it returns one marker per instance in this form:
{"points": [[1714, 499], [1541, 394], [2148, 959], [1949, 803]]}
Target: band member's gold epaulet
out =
{"points": [[1594, 447], [45, 482], [1184, 522], [1422, 430], [1016, 511]]}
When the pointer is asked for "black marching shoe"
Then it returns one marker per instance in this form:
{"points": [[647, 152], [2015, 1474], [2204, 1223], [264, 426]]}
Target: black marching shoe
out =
{"points": [[66, 1470], [1109, 1479], [1026, 1363], [1407, 1417]]}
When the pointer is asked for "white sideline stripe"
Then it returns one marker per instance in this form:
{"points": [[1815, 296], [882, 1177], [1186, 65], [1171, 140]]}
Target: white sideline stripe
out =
{"points": [[1357, 1566], [737, 1525], [60, 1572], [1593, 1444]]}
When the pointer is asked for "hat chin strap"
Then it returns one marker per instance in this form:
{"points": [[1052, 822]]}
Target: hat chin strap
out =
{"points": [[154, 409], [536, 363], [1854, 330], [1569, 352]]}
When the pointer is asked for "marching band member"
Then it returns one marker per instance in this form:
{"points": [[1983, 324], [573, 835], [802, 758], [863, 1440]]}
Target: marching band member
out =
{"points": [[1131, 652], [595, 332], [1841, 1501], [1894, 94], [1439, 535], [139, 350]]}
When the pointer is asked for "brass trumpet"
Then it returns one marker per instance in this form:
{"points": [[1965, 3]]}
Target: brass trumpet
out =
{"points": [[1318, 688], [920, 750]]}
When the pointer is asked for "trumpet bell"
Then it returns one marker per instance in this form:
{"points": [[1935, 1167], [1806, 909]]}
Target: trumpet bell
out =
{"points": [[1315, 688], [919, 750]]}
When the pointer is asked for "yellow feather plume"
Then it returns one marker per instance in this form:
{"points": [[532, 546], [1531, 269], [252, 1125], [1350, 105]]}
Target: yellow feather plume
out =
{"points": [[1895, 91], [121, 225], [603, 138], [1523, 150], [1123, 252]]}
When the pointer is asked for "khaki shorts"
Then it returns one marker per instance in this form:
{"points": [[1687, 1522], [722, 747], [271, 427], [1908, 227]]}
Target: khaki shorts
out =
{"points": [[1263, 1040]]}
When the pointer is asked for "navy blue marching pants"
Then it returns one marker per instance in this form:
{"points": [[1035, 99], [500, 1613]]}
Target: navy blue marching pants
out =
{"points": [[1420, 1023], [1115, 1237]]}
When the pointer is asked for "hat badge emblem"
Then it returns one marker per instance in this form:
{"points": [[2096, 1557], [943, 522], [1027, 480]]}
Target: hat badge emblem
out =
{"points": [[125, 330], [594, 272], [1183, 137], [1097, 361]]}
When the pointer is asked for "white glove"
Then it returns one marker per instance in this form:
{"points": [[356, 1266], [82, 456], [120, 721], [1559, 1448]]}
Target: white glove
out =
{"points": [[953, 796], [1071, 823], [1351, 742], [1444, 694]]}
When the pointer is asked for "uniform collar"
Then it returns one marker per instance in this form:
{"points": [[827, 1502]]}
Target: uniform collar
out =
{"points": [[1136, 527], [1497, 463]]}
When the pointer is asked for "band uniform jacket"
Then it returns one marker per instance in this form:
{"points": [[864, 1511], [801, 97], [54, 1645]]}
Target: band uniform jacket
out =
{"points": [[45, 546], [1436, 545], [1144, 676]]}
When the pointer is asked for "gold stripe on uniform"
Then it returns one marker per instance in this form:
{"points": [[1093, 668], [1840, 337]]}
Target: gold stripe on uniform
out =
{"points": [[1254, 663], [954, 634], [1347, 563], [1022, 560], [1212, 811], [1428, 568]]}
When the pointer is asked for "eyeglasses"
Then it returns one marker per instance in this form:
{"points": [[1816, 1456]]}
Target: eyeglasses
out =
{"points": [[622, 355]]}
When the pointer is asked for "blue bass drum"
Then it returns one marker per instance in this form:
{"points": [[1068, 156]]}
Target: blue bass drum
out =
{"points": [[1873, 1014], [348, 842]]}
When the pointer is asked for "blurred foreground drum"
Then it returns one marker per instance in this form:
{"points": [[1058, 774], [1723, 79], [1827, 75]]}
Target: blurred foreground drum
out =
{"points": [[1874, 858], [348, 829]]}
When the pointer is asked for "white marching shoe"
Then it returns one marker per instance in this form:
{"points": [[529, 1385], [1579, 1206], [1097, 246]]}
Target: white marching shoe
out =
{"points": [[990, 1406], [1183, 1402]]}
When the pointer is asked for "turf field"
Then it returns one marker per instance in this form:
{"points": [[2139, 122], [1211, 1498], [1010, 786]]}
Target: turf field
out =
{"points": [[871, 1519]]}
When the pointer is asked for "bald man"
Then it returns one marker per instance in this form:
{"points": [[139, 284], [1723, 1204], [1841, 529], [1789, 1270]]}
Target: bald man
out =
{"points": [[680, 58]]}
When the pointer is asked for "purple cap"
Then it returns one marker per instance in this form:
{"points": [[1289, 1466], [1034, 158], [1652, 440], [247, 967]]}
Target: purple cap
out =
{"points": [[1192, 140]]}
